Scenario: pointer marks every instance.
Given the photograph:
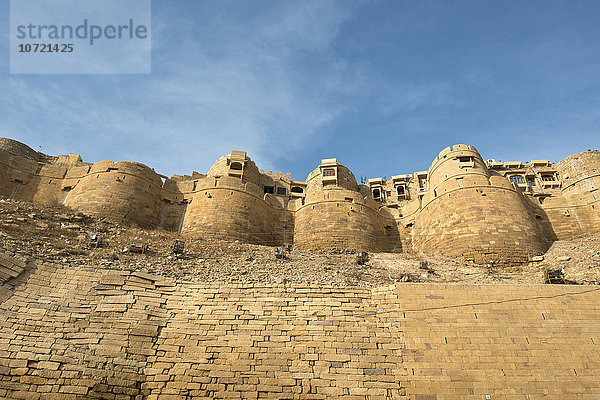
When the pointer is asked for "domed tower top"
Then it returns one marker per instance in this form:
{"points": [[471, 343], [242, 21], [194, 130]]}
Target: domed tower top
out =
{"points": [[579, 166], [237, 165], [18, 148], [459, 159], [331, 175]]}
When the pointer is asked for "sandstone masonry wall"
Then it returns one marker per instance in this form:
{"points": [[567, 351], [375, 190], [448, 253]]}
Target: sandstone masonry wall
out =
{"points": [[581, 188], [123, 191], [233, 213], [231, 203], [335, 214], [469, 213], [82, 333]]}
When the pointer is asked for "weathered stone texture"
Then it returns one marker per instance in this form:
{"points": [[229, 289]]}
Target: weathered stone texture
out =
{"points": [[19, 149], [10, 267], [581, 187], [334, 214], [232, 213], [123, 191], [468, 213], [75, 333]]}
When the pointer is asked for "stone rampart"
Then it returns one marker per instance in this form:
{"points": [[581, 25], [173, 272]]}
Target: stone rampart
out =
{"points": [[471, 214], [487, 211]]}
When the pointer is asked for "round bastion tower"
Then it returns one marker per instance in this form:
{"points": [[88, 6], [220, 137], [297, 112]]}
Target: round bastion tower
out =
{"points": [[123, 191], [335, 214], [580, 175], [467, 212], [231, 203]]}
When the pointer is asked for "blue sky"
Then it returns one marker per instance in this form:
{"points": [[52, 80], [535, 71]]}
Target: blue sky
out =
{"points": [[381, 85]]}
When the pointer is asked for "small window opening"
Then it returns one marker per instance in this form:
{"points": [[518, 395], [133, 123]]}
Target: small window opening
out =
{"points": [[281, 191], [548, 178], [376, 193], [329, 172], [531, 181], [236, 165], [269, 189], [297, 189]]}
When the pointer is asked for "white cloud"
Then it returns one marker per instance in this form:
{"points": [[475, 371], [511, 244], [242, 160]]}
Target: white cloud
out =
{"points": [[238, 88]]}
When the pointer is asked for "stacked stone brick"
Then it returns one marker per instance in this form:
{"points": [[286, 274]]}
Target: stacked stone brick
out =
{"points": [[78, 333], [10, 267]]}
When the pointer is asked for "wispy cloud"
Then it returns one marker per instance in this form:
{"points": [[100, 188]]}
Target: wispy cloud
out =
{"points": [[382, 85], [235, 88]]}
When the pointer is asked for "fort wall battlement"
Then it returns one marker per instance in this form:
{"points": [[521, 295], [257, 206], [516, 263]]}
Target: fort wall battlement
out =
{"points": [[335, 214], [467, 212], [463, 206]]}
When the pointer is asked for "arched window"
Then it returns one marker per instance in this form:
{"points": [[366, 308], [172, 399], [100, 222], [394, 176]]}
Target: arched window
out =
{"points": [[236, 166], [329, 172], [400, 190], [297, 189], [376, 193]]}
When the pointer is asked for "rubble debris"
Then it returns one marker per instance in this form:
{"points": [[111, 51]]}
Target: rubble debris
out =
{"points": [[178, 246], [554, 276], [241, 263], [280, 253], [424, 265], [362, 258], [138, 247], [96, 241]]}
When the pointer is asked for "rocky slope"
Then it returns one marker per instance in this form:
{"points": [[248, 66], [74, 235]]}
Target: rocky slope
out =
{"points": [[59, 235]]}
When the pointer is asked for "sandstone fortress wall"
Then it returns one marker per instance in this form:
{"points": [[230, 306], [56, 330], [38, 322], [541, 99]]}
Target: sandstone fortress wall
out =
{"points": [[463, 206], [77, 333]]}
